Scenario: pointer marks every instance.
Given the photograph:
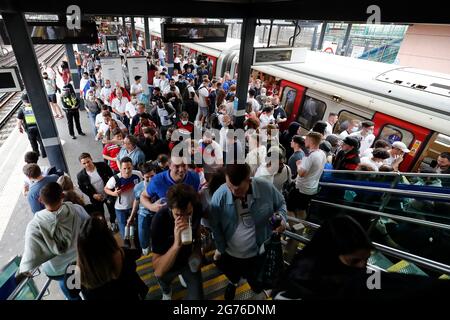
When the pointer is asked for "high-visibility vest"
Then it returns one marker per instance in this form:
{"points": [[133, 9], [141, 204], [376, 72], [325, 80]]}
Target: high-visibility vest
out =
{"points": [[30, 119]]}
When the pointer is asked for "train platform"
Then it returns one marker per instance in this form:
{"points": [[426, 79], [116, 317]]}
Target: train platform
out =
{"points": [[15, 213]]}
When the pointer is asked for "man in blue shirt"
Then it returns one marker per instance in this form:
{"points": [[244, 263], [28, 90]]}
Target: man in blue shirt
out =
{"points": [[33, 172], [240, 215], [157, 188], [132, 151]]}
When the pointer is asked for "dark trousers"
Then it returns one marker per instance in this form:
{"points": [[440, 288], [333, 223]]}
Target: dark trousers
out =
{"points": [[73, 115], [193, 281], [35, 139], [98, 207], [236, 268]]}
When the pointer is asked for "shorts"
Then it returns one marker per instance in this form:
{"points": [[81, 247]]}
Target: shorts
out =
{"points": [[298, 201], [204, 111], [51, 98]]}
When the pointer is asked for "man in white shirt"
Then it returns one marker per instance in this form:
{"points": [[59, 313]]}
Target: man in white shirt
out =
{"points": [[106, 91], [162, 56], [332, 119], [309, 171], [251, 98], [203, 94], [396, 154], [104, 126], [352, 127], [365, 136], [136, 87], [257, 154], [376, 160], [163, 82], [119, 105], [84, 80], [130, 108]]}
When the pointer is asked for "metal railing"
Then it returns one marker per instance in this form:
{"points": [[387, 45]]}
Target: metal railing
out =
{"points": [[378, 173], [399, 254]]}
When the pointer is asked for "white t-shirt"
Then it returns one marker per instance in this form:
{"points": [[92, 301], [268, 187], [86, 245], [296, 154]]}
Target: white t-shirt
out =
{"points": [[125, 201], [161, 54], [366, 142], [213, 153], [266, 119], [343, 134], [96, 181], [99, 119], [369, 162], [256, 157], [105, 93], [243, 242], [135, 87], [255, 104], [313, 165], [119, 104], [203, 93], [131, 108], [328, 130]]}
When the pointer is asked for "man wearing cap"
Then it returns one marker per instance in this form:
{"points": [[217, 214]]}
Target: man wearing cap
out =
{"points": [[26, 121], [348, 157], [365, 136], [397, 153]]}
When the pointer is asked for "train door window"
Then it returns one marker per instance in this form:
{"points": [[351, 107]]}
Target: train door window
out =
{"points": [[288, 99], [391, 134], [312, 111], [344, 118]]}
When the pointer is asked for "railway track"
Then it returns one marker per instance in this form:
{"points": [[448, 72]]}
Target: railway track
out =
{"points": [[10, 102]]}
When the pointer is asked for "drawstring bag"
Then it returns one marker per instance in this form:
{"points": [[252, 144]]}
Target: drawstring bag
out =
{"points": [[271, 261]]}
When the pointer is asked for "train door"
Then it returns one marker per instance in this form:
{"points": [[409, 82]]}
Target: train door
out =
{"points": [[291, 98], [413, 136], [437, 144]]}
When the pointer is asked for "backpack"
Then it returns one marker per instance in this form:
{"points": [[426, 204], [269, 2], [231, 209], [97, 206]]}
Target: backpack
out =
{"points": [[111, 200], [55, 171]]}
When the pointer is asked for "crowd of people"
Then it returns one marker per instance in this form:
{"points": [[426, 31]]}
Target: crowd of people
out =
{"points": [[175, 166]]}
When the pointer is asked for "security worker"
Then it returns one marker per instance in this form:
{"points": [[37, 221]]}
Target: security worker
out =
{"points": [[26, 121], [71, 105]]}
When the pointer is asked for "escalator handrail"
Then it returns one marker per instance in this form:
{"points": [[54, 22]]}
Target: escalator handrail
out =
{"points": [[378, 173], [386, 215], [409, 193], [399, 254]]}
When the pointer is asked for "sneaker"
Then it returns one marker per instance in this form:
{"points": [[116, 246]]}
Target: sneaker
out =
{"points": [[183, 283], [167, 296], [82, 134], [230, 292], [145, 251], [114, 228], [73, 137]]}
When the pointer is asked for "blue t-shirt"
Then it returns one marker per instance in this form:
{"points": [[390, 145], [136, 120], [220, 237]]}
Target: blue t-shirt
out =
{"points": [[160, 183], [138, 189], [35, 189]]}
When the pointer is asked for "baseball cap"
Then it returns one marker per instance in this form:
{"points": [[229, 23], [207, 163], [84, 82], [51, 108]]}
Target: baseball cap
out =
{"points": [[400, 145], [351, 141]]}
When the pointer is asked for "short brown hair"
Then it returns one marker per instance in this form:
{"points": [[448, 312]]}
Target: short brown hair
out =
{"points": [[32, 170], [180, 195], [51, 193], [237, 173], [84, 155], [315, 137]]}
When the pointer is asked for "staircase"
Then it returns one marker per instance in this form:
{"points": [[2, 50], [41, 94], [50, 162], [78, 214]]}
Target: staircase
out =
{"points": [[214, 282]]}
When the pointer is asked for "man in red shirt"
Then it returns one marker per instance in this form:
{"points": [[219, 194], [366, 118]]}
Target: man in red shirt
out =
{"points": [[111, 150]]}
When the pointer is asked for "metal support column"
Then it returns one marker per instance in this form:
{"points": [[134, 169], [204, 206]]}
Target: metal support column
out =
{"points": [[347, 36], [270, 33], [245, 62], [322, 35], [73, 68], [148, 38], [314, 39], [124, 25], [133, 33], [169, 60], [17, 28]]}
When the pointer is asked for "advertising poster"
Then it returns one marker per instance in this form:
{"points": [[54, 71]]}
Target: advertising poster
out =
{"points": [[137, 66], [112, 70]]}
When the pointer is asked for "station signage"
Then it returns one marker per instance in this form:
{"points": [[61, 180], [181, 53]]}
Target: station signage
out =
{"points": [[263, 56]]}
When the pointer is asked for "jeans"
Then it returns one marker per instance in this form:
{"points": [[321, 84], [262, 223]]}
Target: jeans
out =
{"points": [[193, 281], [122, 217], [144, 228], [162, 62], [91, 116]]}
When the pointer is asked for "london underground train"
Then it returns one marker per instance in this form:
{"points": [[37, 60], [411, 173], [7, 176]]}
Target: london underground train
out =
{"points": [[406, 104]]}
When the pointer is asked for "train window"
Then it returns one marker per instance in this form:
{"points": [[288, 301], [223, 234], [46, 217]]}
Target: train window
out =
{"points": [[344, 118], [391, 134], [288, 99], [312, 111]]}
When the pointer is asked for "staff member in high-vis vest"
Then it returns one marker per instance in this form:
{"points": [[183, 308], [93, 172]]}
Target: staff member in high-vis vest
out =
{"points": [[26, 121], [71, 105]]}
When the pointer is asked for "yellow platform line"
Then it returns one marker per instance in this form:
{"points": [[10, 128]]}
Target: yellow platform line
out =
{"points": [[398, 266], [239, 290], [156, 286], [209, 283]]}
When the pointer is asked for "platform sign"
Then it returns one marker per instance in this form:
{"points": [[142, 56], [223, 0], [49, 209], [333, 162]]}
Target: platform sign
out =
{"points": [[137, 66], [112, 70], [262, 56], [111, 44], [10, 80]]}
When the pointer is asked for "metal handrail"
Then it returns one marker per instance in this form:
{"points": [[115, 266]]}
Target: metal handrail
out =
{"points": [[378, 173], [411, 193], [386, 215], [306, 223], [21, 285], [427, 263], [44, 288]]}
